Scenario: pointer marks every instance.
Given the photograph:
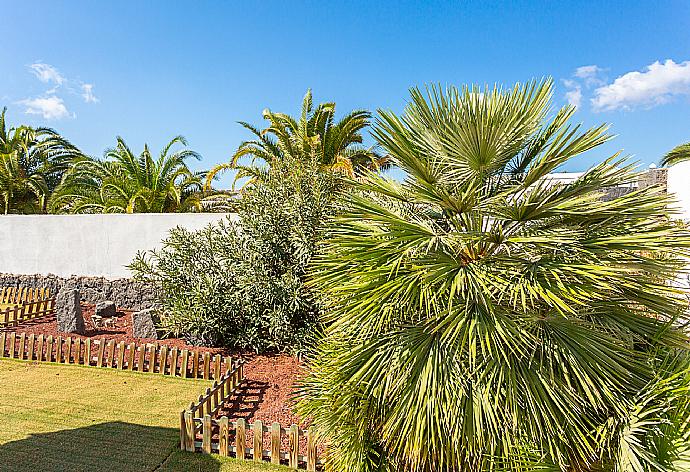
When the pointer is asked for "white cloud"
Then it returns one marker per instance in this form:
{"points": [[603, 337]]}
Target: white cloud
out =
{"points": [[51, 107], [657, 84], [591, 75], [87, 93], [574, 96], [47, 73]]}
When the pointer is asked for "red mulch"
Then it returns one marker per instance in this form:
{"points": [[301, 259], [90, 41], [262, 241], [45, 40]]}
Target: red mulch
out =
{"points": [[266, 394]]}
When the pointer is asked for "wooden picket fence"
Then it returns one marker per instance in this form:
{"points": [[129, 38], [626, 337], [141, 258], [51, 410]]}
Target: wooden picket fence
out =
{"points": [[152, 358], [22, 304], [229, 438]]}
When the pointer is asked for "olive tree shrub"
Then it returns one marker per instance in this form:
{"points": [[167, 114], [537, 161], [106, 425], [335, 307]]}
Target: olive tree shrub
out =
{"points": [[241, 283]]}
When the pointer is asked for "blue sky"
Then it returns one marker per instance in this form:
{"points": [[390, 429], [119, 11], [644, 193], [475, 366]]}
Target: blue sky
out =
{"points": [[151, 70]]}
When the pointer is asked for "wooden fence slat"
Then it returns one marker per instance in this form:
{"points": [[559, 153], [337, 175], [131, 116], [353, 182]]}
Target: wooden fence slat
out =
{"points": [[141, 351], [240, 439], [22, 340], [49, 349], [183, 431], [173, 362], [206, 434], [121, 356], [190, 433], [130, 362], [163, 361], [87, 352], [195, 364], [258, 441], [58, 349], [183, 366], [294, 446], [224, 437], [111, 354], [101, 352], [216, 367], [3, 340], [208, 397], [207, 366], [311, 450], [275, 443], [32, 341], [39, 348], [68, 349], [152, 358], [77, 351]]}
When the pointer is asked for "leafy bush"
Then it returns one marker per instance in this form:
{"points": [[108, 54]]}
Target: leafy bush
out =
{"points": [[241, 283]]}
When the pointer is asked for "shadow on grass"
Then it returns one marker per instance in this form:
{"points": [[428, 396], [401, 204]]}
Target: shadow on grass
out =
{"points": [[114, 446]]}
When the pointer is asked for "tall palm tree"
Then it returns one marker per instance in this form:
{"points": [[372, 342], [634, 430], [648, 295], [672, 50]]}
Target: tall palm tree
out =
{"points": [[482, 317], [32, 161], [313, 136], [126, 183], [678, 154]]}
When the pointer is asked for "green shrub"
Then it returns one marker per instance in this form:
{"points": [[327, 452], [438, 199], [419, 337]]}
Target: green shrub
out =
{"points": [[241, 283]]}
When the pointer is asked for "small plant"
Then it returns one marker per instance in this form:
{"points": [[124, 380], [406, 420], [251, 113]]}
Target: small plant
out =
{"points": [[241, 283]]}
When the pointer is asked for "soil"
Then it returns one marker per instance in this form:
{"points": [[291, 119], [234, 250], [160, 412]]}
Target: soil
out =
{"points": [[266, 394]]}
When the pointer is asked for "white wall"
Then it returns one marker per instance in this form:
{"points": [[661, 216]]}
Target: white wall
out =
{"points": [[679, 183], [89, 245]]}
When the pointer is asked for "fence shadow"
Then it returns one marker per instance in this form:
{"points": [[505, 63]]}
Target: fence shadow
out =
{"points": [[246, 400], [114, 446]]}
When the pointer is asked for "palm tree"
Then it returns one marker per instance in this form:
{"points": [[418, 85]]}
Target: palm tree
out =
{"points": [[314, 136], [32, 161], [125, 183], [482, 317], [678, 154]]}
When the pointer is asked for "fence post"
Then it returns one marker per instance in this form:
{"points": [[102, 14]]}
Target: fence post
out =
{"points": [[152, 358], [3, 339], [294, 446], [190, 434], [240, 439], [258, 441], [195, 364], [206, 431], [77, 351], [208, 400], [223, 436], [311, 450], [275, 443]]}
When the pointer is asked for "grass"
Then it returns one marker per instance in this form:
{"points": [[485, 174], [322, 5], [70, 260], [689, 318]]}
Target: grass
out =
{"points": [[188, 462], [66, 417]]}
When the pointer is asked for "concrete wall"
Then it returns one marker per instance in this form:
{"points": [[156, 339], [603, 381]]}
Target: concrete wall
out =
{"points": [[679, 183], [85, 245]]}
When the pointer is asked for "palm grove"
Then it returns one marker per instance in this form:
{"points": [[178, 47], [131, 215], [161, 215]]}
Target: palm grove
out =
{"points": [[475, 316]]}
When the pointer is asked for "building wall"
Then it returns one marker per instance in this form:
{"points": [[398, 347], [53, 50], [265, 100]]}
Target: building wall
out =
{"points": [[86, 245], [679, 183]]}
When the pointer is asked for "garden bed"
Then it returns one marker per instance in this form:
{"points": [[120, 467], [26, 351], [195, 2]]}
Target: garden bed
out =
{"points": [[266, 395]]}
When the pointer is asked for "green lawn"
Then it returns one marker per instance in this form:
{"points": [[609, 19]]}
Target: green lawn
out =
{"points": [[64, 417]]}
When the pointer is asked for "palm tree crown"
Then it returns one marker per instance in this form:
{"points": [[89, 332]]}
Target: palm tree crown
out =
{"points": [[680, 153], [481, 317], [126, 183], [313, 136], [32, 161]]}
